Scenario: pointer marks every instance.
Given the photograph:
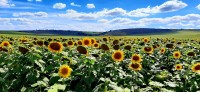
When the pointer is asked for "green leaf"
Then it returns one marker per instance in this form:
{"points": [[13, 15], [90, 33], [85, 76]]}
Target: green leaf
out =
{"points": [[40, 65], [39, 83], [156, 84]]}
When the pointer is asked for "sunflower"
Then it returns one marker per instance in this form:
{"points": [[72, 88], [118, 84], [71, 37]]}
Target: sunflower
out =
{"points": [[96, 45], [79, 42], [136, 58], [196, 68], [191, 54], [178, 66], [118, 56], [93, 41], [148, 49], [116, 47], [55, 47], [82, 50], [135, 66], [146, 40], [40, 43], [116, 42], [177, 54], [127, 47], [104, 47], [87, 42], [70, 43], [162, 50], [105, 39], [64, 71], [5, 43]]}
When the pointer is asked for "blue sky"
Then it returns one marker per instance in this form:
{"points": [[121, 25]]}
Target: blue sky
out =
{"points": [[98, 15]]}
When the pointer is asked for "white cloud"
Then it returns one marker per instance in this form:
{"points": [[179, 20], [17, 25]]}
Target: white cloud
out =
{"points": [[73, 4], [90, 6], [29, 0], [198, 7], [6, 3], [186, 20], [59, 6], [38, 0], [169, 6], [103, 24], [93, 15], [30, 14]]}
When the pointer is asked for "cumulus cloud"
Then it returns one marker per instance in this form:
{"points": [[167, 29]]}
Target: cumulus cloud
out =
{"points": [[90, 6], [59, 6], [6, 3], [93, 15], [30, 14], [169, 6], [73, 4], [198, 7], [174, 21]]}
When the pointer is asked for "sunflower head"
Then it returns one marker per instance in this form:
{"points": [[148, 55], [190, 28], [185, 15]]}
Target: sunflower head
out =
{"points": [[146, 40], [79, 42], [104, 47], [116, 42], [40, 43], [87, 41], [191, 54], [55, 47], [82, 50], [64, 71], [116, 47], [177, 54], [118, 56], [135, 66], [196, 68], [127, 47], [162, 50], [70, 43], [93, 41], [178, 66], [5, 43], [148, 49], [96, 45], [136, 58]]}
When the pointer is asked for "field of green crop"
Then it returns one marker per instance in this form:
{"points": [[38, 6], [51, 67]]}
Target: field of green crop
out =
{"points": [[156, 63]]}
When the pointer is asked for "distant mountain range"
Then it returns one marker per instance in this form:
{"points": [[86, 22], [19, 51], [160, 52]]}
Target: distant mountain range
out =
{"points": [[119, 32]]}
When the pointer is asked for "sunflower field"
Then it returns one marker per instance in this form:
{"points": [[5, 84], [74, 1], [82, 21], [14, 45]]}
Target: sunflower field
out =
{"points": [[99, 64]]}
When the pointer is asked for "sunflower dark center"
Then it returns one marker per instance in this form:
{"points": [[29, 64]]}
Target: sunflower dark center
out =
{"points": [[86, 42], [40, 43], [5, 44], [95, 45], [82, 50], [92, 41], [148, 49], [176, 54], [191, 54], [79, 43], [70, 43], [197, 67], [64, 71], [136, 58], [55, 46], [178, 67], [116, 47], [117, 55], [135, 66]]}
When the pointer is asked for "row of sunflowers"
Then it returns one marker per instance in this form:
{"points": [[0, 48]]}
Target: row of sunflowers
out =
{"points": [[110, 64]]}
